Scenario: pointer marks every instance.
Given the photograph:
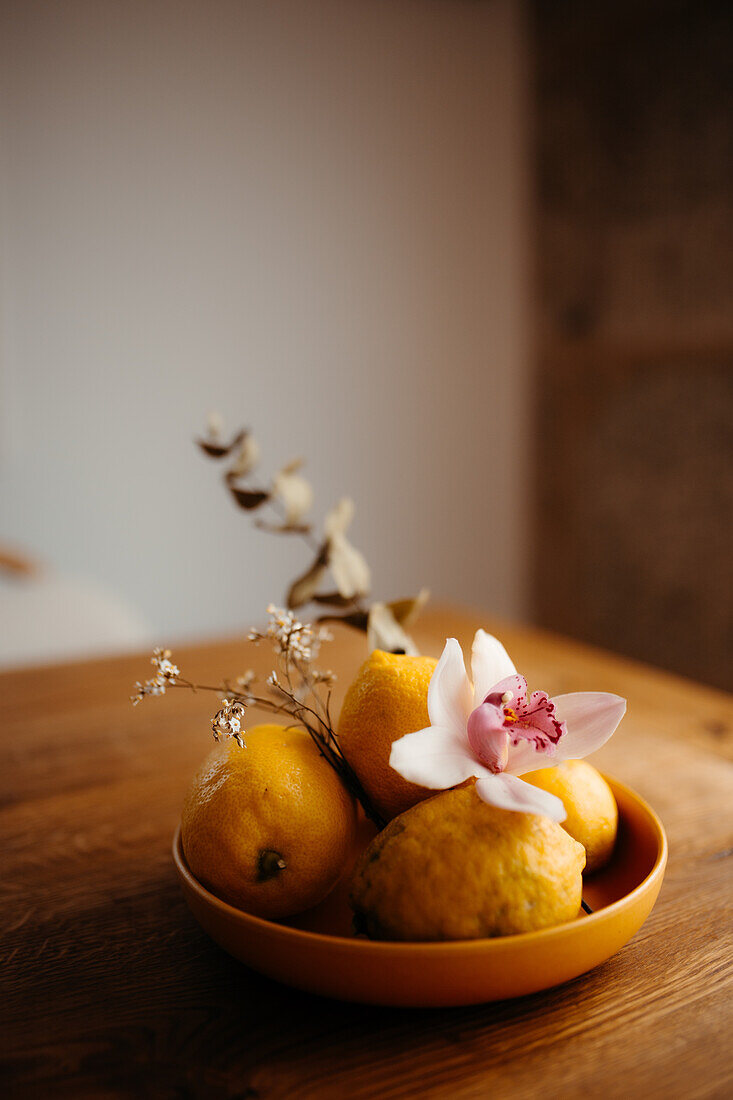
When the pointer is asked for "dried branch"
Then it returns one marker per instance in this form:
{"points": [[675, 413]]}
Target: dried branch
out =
{"points": [[290, 497], [297, 693]]}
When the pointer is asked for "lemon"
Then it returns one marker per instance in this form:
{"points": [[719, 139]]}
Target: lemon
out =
{"points": [[388, 699], [268, 827], [591, 808], [454, 868]]}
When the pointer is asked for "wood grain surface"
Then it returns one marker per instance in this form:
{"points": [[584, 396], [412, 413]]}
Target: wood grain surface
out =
{"points": [[109, 988]]}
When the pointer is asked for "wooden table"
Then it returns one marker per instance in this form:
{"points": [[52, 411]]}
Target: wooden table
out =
{"points": [[109, 988]]}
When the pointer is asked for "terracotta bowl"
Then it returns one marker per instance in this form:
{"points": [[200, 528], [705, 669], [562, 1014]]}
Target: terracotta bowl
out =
{"points": [[318, 952]]}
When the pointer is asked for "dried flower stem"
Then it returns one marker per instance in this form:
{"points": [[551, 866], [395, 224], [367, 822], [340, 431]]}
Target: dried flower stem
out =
{"points": [[317, 726]]}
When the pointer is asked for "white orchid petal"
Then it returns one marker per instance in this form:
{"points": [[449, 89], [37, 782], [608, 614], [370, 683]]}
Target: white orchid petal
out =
{"points": [[436, 757], [591, 717], [449, 693], [507, 792], [524, 757], [490, 663]]}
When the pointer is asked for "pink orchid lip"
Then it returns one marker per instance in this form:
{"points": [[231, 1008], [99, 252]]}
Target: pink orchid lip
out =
{"points": [[488, 737]]}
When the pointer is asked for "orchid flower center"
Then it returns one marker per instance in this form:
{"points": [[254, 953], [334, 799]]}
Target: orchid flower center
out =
{"points": [[495, 727]]}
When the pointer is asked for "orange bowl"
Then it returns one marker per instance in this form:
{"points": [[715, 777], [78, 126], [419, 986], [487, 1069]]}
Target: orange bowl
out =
{"points": [[317, 951]]}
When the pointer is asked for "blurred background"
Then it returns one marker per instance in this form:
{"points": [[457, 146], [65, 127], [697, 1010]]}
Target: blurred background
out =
{"points": [[473, 261]]}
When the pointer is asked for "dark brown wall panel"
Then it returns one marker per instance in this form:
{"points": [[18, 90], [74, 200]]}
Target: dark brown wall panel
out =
{"points": [[633, 547]]}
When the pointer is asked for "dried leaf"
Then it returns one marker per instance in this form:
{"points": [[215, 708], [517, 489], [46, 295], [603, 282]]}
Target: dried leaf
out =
{"points": [[294, 493], [348, 567], [338, 519], [293, 466], [406, 612], [249, 498], [385, 632], [358, 619], [246, 457], [332, 599], [283, 528], [219, 450], [303, 589], [347, 564], [214, 425]]}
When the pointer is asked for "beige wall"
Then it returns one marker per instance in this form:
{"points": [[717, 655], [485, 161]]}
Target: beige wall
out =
{"points": [[308, 214]]}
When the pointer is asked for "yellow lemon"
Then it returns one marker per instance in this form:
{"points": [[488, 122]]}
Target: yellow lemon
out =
{"points": [[454, 868], [268, 827], [388, 699], [591, 808]]}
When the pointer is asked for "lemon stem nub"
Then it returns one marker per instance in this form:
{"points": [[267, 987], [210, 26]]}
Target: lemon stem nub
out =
{"points": [[269, 864]]}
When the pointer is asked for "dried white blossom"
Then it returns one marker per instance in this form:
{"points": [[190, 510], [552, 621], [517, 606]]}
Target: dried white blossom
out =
{"points": [[166, 669], [243, 683], [300, 650], [290, 637], [282, 627], [227, 722], [150, 687]]}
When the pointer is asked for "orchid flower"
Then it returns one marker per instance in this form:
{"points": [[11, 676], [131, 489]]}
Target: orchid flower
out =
{"points": [[496, 731]]}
